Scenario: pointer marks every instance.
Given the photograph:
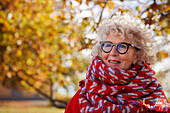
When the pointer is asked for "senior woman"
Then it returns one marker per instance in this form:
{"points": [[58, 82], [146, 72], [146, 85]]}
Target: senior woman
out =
{"points": [[120, 78]]}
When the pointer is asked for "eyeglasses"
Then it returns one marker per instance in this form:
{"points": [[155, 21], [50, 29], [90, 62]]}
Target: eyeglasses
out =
{"points": [[121, 48]]}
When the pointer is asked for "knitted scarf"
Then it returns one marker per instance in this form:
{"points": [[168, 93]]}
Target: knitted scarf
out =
{"points": [[108, 90]]}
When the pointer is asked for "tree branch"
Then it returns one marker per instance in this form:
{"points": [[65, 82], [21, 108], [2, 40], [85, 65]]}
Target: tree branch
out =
{"points": [[154, 2], [163, 16], [63, 103], [101, 14]]}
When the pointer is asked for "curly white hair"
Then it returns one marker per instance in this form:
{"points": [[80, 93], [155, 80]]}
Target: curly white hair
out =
{"points": [[127, 26]]}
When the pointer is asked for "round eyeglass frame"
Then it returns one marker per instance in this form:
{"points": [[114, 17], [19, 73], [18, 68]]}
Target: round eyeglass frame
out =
{"points": [[101, 42]]}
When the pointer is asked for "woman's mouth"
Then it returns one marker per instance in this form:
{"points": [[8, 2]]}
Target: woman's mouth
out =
{"points": [[113, 63]]}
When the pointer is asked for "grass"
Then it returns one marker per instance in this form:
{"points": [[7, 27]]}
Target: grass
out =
{"points": [[30, 110], [27, 107]]}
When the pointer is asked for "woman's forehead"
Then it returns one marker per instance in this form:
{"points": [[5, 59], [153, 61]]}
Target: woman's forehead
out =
{"points": [[117, 38]]}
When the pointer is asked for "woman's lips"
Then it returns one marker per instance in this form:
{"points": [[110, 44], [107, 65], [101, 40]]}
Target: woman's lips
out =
{"points": [[114, 62]]}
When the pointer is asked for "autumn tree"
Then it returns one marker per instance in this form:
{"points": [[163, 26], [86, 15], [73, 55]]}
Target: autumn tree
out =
{"points": [[39, 46], [41, 40]]}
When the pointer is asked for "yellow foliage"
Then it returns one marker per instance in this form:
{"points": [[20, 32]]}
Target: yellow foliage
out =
{"points": [[42, 55], [10, 37], [101, 4], [139, 9], [110, 5], [19, 53], [162, 55], [39, 33], [30, 61], [38, 84], [60, 76], [159, 33], [167, 9], [24, 84]]}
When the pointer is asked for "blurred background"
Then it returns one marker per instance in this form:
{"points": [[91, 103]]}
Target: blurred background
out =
{"points": [[45, 48]]}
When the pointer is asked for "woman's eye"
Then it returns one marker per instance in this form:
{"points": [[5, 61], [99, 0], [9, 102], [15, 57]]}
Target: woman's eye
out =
{"points": [[108, 45], [122, 46]]}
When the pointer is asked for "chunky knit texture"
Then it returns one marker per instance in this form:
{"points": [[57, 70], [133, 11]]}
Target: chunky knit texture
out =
{"points": [[107, 90]]}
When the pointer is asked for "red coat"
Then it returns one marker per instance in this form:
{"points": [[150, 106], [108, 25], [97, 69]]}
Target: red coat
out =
{"points": [[73, 105]]}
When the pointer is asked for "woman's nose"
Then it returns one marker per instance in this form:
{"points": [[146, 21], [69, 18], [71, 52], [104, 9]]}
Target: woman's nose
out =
{"points": [[114, 51]]}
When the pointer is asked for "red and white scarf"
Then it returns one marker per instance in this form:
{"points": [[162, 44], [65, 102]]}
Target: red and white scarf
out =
{"points": [[108, 90]]}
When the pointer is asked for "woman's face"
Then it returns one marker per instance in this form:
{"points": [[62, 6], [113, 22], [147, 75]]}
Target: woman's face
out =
{"points": [[114, 59]]}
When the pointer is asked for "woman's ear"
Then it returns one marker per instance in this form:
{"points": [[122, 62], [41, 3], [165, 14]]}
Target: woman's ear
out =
{"points": [[135, 61], [96, 50]]}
